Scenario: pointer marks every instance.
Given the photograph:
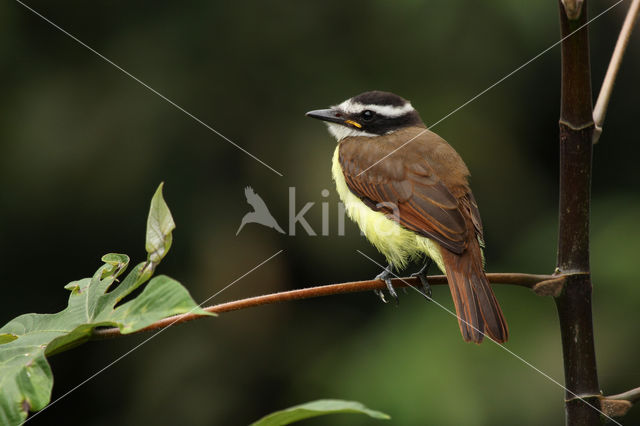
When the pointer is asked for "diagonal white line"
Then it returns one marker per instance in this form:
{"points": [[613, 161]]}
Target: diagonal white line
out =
{"points": [[149, 338], [145, 85], [496, 343], [494, 85]]}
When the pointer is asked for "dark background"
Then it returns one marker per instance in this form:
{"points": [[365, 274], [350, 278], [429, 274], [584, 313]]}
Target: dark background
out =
{"points": [[84, 147]]}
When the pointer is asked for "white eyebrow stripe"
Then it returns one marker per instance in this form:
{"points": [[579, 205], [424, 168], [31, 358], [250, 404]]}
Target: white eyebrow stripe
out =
{"points": [[351, 107]]}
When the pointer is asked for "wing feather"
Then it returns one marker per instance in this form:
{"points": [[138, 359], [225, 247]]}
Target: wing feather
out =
{"points": [[405, 179]]}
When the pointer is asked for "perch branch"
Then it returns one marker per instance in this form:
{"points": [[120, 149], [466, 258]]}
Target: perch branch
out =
{"points": [[600, 109], [523, 280]]}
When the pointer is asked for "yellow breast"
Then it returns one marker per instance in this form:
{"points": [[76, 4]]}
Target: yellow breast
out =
{"points": [[397, 244]]}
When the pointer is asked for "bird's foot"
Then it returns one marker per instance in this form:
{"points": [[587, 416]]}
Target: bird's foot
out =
{"points": [[386, 277], [426, 288], [422, 275]]}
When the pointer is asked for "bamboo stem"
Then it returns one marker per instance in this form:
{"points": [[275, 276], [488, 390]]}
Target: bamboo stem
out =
{"points": [[574, 302]]}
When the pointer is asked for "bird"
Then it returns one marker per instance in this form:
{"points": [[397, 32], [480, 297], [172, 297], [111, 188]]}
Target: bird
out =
{"points": [[408, 191], [260, 213]]}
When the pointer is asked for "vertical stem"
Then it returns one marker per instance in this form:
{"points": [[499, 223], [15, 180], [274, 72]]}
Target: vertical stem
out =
{"points": [[574, 304]]}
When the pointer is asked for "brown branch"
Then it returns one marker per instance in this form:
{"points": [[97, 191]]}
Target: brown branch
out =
{"points": [[523, 280], [600, 110], [618, 405], [632, 396]]}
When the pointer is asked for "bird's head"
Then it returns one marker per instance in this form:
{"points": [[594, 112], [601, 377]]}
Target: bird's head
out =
{"points": [[369, 114]]}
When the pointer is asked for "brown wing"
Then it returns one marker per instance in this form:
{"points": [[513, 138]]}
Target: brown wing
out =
{"points": [[469, 203], [406, 187]]}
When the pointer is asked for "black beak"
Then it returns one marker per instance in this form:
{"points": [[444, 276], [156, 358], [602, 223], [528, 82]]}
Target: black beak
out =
{"points": [[330, 115]]}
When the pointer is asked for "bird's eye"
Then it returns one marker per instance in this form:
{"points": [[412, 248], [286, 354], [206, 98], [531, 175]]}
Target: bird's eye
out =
{"points": [[367, 114]]}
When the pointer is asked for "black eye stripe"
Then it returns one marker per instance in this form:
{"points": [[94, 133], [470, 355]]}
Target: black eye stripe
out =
{"points": [[380, 124]]}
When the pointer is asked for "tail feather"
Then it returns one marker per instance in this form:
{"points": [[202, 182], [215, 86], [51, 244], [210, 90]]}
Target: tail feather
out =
{"points": [[476, 306], [463, 309]]}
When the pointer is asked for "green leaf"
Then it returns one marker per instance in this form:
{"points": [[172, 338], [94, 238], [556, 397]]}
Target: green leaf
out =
{"points": [[25, 342], [162, 297], [320, 407], [159, 226]]}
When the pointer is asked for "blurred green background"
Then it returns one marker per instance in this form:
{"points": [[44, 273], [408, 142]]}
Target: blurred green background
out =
{"points": [[84, 147]]}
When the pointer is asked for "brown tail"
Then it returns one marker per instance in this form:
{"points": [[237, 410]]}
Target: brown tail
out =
{"points": [[476, 305]]}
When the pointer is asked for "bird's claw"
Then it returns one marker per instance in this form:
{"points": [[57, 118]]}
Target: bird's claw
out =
{"points": [[386, 277], [380, 294], [426, 288], [422, 275]]}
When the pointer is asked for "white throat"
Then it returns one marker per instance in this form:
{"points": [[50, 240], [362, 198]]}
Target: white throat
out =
{"points": [[340, 132]]}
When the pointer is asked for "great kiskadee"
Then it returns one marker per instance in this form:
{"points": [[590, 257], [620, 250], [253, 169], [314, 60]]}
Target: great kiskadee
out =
{"points": [[408, 191]]}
